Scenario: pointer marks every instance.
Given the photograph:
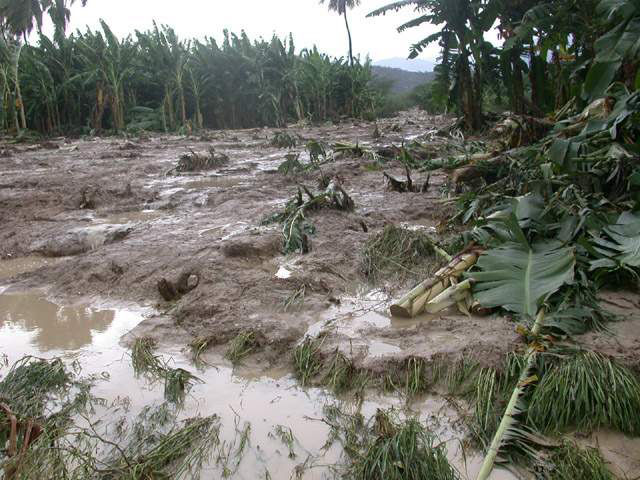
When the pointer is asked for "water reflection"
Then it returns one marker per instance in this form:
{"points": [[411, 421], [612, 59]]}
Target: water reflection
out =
{"points": [[31, 325]]}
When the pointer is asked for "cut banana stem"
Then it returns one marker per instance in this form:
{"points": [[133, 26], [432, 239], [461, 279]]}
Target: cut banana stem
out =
{"points": [[451, 296], [413, 303]]}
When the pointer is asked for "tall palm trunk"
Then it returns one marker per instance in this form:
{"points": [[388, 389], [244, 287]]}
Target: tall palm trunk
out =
{"points": [[346, 22]]}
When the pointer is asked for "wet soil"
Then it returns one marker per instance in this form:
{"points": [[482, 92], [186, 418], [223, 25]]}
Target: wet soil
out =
{"points": [[116, 224], [95, 224]]}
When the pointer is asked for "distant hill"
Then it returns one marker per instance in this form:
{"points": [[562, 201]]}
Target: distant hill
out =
{"points": [[415, 65], [401, 81]]}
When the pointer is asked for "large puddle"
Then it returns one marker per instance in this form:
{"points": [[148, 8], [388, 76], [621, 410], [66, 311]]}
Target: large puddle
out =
{"points": [[90, 334]]}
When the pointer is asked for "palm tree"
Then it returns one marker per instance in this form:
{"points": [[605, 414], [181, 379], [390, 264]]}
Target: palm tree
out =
{"points": [[341, 7]]}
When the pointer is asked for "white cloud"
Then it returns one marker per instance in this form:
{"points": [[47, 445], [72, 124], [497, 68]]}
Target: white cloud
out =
{"points": [[310, 22]]}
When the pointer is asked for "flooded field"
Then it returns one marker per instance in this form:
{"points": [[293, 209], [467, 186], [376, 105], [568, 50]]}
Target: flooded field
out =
{"points": [[87, 236]]}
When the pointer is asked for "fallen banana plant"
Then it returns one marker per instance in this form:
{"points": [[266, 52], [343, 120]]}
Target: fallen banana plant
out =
{"points": [[295, 226], [519, 277], [415, 302], [508, 428]]}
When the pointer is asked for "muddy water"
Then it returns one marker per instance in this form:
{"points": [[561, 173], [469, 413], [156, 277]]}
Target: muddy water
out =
{"points": [[90, 333]]}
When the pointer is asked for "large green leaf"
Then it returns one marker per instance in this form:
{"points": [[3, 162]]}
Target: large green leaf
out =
{"points": [[619, 246], [518, 277]]}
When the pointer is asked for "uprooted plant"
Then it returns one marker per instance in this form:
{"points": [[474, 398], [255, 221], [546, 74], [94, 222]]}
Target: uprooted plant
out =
{"points": [[296, 227]]}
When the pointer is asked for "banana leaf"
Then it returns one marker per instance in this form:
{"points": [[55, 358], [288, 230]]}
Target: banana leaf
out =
{"points": [[519, 277], [619, 246]]}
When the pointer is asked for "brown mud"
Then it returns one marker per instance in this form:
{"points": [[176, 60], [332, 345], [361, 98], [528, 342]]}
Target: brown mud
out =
{"points": [[99, 220]]}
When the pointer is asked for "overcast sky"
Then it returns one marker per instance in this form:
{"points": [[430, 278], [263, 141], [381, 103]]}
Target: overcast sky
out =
{"points": [[309, 22]]}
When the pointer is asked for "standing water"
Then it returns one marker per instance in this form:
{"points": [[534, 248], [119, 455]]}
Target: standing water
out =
{"points": [[256, 410]]}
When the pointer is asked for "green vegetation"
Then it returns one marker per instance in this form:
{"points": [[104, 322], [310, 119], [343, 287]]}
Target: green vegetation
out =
{"points": [[388, 448], [398, 250], [306, 360], [92, 81], [554, 52], [241, 346], [177, 381], [296, 227], [571, 462], [57, 434]]}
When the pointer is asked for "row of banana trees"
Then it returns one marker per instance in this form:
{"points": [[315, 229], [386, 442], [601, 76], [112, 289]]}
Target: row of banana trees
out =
{"points": [[553, 50], [155, 80]]}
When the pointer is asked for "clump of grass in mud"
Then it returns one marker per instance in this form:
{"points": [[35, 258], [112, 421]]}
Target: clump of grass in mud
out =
{"points": [[586, 391], [177, 381], [198, 347], [341, 374], [567, 390], [397, 250], [569, 462], [389, 449], [306, 359], [296, 299], [241, 346], [284, 140]]}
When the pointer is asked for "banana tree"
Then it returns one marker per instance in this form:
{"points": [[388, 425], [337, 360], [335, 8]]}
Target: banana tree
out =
{"points": [[108, 63], [464, 23]]}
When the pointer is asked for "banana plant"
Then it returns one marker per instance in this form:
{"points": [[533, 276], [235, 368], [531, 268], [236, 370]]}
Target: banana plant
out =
{"points": [[519, 277]]}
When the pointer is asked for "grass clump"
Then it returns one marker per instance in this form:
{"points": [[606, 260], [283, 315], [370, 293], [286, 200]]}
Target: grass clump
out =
{"points": [[241, 346], [402, 451], [416, 377], [586, 391], [388, 447], [156, 445], [342, 373], [306, 360], [285, 434], [177, 381], [397, 250], [196, 162], [569, 462]]}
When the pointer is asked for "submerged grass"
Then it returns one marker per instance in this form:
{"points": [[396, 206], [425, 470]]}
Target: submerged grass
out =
{"points": [[306, 359], [285, 434], [158, 446], [241, 346], [398, 250]]}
